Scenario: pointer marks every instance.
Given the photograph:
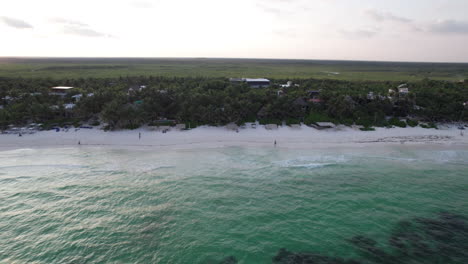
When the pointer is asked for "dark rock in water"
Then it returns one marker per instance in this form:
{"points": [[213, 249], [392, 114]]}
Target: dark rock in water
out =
{"points": [[287, 257], [229, 260], [443, 239], [369, 249]]}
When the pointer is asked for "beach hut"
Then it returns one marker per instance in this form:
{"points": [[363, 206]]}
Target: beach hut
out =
{"points": [[180, 127], [323, 125], [232, 126], [77, 97], [164, 129], [271, 126]]}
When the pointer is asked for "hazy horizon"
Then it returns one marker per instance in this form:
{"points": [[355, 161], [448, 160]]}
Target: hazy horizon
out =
{"points": [[222, 58], [367, 30]]}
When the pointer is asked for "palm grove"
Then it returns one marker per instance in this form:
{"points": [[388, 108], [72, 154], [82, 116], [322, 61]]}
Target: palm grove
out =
{"points": [[216, 101]]}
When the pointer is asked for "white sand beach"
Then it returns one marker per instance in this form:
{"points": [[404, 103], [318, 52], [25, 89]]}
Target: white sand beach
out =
{"points": [[214, 137]]}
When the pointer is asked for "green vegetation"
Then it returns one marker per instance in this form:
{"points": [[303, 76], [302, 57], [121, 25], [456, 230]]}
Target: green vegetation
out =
{"points": [[412, 123], [216, 101], [396, 122], [60, 68], [430, 125]]}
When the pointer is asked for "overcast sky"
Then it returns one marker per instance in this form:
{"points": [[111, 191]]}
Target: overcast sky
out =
{"points": [[391, 30]]}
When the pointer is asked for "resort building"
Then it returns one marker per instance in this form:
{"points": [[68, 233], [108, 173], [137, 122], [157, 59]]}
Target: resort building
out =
{"points": [[403, 89], [253, 83], [289, 84], [69, 106], [77, 97], [60, 90], [314, 97]]}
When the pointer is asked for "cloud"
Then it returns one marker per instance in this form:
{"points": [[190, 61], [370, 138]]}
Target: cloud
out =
{"points": [[286, 33], [359, 33], [60, 20], [449, 27], [272, 10], [16, 23], [83, 31], [78, 28], [142, 4], [380, 16], [280, 7]]}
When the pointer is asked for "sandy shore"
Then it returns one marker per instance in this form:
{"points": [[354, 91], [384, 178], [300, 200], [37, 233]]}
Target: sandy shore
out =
{"points": [[213, 137]]}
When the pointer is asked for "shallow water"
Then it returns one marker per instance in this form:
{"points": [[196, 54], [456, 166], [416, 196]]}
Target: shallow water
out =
{"points": [[94, 205]]}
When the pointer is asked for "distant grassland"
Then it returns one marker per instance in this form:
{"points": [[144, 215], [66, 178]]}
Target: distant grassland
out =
{"points": [[59, 68]]}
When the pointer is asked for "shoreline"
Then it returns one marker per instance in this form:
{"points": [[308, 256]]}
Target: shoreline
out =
{"points": [[216, 137]]}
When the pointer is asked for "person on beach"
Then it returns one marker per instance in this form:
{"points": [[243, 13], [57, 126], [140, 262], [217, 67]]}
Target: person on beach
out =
{"points": [[79, 142], [139, 135], [275, 143]]}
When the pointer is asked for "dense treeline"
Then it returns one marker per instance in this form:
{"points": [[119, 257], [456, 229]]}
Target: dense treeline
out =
{"points": [[215, 101]]}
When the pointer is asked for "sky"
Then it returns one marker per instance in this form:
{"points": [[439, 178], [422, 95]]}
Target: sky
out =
{"points": [[376, 30]]}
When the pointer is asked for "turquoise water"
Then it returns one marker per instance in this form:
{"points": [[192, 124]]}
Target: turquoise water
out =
{"points": [[102, 205]]}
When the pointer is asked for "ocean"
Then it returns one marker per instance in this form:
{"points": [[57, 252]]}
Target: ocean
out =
{"points": [[382, 204]]}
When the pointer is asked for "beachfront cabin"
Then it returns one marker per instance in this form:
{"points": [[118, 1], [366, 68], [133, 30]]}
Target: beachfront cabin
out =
{"points": [[8, 98], [258, 83], [289, 84], [180, 127], [253, 83], [60, 90], [403, 89], [271, 126], [135, 88], [232, 126], [314, 97], [77, 97], [371, 96], [323, 125], [69, 106]]}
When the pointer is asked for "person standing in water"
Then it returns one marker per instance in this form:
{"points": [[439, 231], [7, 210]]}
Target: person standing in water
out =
{"points": [[139, 135], [275, 143]]}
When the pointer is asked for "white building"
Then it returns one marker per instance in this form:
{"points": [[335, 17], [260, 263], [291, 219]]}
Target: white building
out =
{"points": [[77, 97], [253, 83], [403, 89], [60, 90], [289, 84]]}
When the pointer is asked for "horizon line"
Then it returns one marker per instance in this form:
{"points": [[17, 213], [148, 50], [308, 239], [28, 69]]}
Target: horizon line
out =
{"points": [[226, 58]]}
